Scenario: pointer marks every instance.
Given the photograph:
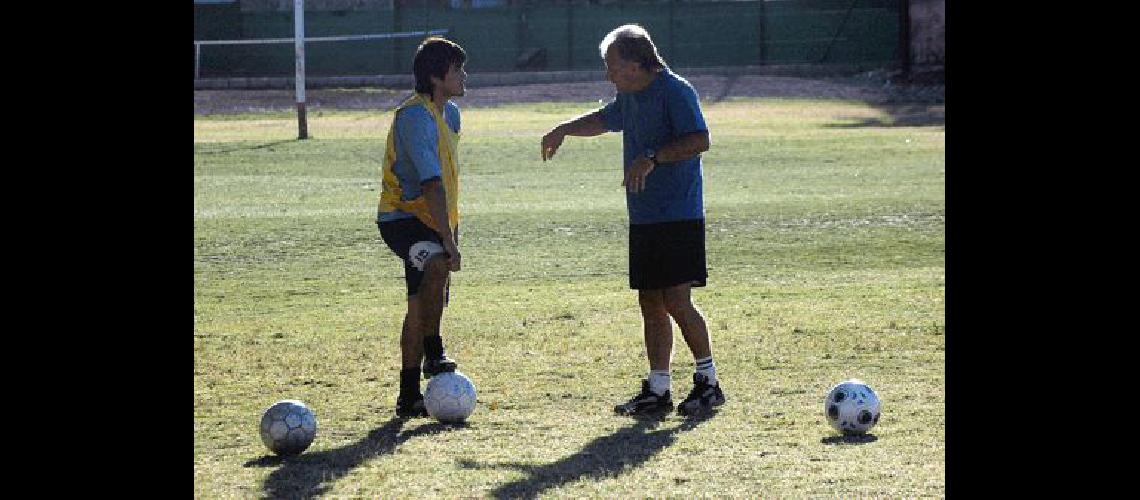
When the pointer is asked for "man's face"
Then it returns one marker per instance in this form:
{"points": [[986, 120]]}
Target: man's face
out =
{"points": [[454, 83], [624, 74]]}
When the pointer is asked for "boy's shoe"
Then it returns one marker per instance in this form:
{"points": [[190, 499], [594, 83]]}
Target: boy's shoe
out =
{"points": [[646, 403], [413, 406], [433, 367], [703, 398]]}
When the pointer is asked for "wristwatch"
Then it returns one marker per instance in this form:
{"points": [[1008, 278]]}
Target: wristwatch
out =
{"points": [[652, 156]]}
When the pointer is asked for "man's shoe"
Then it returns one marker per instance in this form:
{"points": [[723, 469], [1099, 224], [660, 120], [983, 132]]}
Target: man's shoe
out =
{"points": [[407, 407], [703, 398], [646, 403], [433, 367]]}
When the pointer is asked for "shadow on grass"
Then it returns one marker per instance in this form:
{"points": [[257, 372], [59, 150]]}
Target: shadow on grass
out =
{"points": [[607, 456], [902, 115], [853, 439], [246, 148], [309, 475]]}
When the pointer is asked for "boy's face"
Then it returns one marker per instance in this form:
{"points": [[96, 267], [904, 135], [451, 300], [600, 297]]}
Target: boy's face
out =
{"points": [[454, 83]]}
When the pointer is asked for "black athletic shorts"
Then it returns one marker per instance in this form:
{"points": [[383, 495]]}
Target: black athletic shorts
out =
{"points": [[667, 254], [413, 242]]}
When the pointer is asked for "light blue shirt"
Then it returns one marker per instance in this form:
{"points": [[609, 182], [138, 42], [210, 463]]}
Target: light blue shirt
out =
{"points": [[417, 152], [665, 110]]}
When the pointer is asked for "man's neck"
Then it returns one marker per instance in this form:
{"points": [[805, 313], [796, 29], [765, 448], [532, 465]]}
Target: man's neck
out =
{"points": [[647, 79]]}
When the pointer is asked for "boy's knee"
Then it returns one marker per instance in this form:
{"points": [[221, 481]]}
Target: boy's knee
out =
{"points": [[436, 267]]}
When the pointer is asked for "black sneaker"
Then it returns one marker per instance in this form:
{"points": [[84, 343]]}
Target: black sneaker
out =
{"points": [[703, 398], [433, 367], [646, 403], [411, 406]]}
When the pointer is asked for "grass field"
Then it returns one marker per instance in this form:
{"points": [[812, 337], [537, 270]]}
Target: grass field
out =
{"points": [[826, 257]]}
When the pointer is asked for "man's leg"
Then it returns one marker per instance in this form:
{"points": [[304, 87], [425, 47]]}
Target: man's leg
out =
{"points": [[679, 304], [706, 393], [658, 331]]}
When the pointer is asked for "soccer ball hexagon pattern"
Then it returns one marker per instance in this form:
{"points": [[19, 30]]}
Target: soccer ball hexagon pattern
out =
{"points": [[450, 397], [851, 407], [288, 427]]}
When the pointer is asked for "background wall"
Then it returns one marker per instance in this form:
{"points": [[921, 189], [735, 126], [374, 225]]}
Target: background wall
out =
{"points": [[928, 31], [551, 36]]}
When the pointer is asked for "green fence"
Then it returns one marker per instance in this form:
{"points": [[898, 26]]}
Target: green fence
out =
{"points": [[558, 37]]}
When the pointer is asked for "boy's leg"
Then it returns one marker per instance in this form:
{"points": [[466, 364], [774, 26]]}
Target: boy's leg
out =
{"points": [[410, 402], [412, 241], [432, 298], [411, 336]]}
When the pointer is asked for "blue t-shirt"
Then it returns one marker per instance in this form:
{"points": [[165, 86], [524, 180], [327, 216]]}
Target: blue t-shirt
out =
{"points": [[665, 110], [417, 151]]}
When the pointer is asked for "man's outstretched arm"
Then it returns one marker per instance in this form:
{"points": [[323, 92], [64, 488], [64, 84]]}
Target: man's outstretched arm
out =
{"points": [[587, 125]]}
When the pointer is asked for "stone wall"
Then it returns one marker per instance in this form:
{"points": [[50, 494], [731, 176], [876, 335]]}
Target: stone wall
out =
{"points": [[313, 5], [928, 31]]}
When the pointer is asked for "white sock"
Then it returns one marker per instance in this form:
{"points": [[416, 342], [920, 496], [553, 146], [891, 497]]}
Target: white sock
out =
{"points": [[659, 381], [706, 367]]}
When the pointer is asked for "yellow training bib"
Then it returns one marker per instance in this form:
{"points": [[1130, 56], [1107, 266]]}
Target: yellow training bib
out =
{"points": [[391, 196]]}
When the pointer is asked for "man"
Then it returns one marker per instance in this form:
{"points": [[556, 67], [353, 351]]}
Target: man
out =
{"points": [[418, 213], [663, 133]]}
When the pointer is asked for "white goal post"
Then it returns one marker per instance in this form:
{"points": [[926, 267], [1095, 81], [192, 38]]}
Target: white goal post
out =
{"points": [[345, 38], [298, 40]]}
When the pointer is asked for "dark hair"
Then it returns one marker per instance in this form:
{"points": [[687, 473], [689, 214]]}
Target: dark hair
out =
{"points": [[632, 43], [434, 57]]}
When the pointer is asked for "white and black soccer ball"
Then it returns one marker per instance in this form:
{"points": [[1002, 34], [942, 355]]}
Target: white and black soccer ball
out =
{"points": [[450, 397], [851, 407], [288, 427]]}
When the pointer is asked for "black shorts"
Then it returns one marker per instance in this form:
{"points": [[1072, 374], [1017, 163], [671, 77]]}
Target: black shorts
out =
{"points": [[405, 236], [667, 254]]}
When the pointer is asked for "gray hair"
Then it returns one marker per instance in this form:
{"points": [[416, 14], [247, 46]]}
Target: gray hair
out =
{"points": [[632, 43]]}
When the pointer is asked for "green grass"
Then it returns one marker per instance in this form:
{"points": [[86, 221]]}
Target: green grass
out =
{"points": [[826, 256]]}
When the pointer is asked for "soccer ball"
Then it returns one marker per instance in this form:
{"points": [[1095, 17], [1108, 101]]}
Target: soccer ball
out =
{"points": [[288, 427], [851, 407], [450, 397]]}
